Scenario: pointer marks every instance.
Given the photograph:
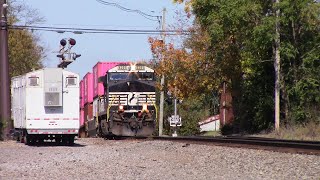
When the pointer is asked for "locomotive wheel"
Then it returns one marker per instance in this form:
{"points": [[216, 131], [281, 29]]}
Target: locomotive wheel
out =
{"points": [[103, 128]]}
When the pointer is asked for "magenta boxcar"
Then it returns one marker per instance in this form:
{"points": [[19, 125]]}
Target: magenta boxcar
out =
{"points": [[81, 94], [99, 70], [81, 117], [88, 88]]}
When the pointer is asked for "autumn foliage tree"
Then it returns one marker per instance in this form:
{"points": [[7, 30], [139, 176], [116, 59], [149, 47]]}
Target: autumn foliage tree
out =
{"points": [[186, 69]]}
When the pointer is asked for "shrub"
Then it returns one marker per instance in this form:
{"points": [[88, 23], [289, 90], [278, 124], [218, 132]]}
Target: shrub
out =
{"points": [[227, 129]]}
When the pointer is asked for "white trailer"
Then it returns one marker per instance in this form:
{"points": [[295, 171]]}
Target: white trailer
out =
{"points": [[45, 105]]}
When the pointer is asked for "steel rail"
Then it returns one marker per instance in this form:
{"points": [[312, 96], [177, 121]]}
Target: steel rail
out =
{"points": [[295, 146], [271, 139]]}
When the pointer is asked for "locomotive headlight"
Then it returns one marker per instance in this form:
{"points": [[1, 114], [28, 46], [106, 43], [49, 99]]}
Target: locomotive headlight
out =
{"points": [[133, 67], [145, 107], [120, 108]]}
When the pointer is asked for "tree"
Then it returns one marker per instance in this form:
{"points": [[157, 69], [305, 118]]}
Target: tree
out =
{"points": [[300, 51], [241, 46], [25, 51], [185, 68]]}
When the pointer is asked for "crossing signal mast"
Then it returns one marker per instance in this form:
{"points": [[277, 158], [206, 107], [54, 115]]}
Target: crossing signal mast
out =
{"points": [[66, 56]]}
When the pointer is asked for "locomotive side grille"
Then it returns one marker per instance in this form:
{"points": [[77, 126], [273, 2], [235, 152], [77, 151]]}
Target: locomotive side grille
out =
{"points": [[147, 98], [115, 99]]}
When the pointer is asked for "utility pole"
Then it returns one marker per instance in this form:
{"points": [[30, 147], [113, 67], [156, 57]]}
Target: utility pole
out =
{"points": [[162, 77], [277, 69], [224, 103], [5, 113]]}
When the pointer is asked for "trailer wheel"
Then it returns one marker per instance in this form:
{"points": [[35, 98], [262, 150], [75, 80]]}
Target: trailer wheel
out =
{"points": [[21, 138], [32, 140], [27, 139], [64, 140], [58, 140], [18, 137], [41, 140], [71, 140]]}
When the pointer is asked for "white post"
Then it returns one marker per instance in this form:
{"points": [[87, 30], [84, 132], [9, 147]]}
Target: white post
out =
{"points": [[175, 109], [162, 77]]}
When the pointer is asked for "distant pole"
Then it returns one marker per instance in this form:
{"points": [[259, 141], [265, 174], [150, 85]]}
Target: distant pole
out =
{"points": [[224, 103], [162, 77], [277, 69], [4, 72]]}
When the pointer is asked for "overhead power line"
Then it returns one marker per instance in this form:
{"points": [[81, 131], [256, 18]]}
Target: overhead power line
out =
{"points": [[145, 15], [101, 31]]}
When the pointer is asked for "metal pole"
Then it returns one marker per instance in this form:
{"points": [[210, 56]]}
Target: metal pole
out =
{"points": [[162, 77], [175, 109], [4, 75], [277, 70], [175, 101], [224, 104]]}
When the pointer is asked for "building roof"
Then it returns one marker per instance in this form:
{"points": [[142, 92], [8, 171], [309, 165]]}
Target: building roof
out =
{"points": [[210, 119]]}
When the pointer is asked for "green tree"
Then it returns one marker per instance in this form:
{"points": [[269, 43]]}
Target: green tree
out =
{"points": [[300, 56], [242, 34], [241, 55], [25, 50]]}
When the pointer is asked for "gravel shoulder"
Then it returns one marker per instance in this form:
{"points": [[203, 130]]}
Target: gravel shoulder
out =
{"points": [[142, 159]]}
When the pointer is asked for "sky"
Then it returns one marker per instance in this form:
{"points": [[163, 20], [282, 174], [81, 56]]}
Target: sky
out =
{"points": [[92, 14]]}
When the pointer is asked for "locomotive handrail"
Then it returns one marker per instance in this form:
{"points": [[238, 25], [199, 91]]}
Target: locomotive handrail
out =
{"points": [[114, 97], [155, 106]]}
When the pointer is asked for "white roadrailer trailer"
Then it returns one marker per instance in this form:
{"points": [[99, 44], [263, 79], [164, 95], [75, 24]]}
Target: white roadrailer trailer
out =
{"points": [[45, 105]]}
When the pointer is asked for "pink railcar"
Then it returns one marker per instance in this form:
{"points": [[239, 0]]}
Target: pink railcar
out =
{"points": [[99, 70], [81, 94], [81, 117], [88, 88]]}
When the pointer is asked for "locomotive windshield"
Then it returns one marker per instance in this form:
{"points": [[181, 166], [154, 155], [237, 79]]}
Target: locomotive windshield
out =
{"points": [[144, 76], [147, 76], [118, 76]]}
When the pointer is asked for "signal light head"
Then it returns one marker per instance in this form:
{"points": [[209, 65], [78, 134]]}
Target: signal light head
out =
{"points": [[63, 42], [72, 42]]}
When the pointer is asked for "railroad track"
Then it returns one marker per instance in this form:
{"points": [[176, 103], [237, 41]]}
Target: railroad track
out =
{"points": [[279, 145]]}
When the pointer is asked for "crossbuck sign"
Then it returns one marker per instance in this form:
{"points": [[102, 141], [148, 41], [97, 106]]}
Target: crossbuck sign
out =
{"points": [[175, 120]]}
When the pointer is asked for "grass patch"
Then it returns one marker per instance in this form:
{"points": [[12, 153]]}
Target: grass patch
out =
{"points": [[211, 133], [308, 132]]}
